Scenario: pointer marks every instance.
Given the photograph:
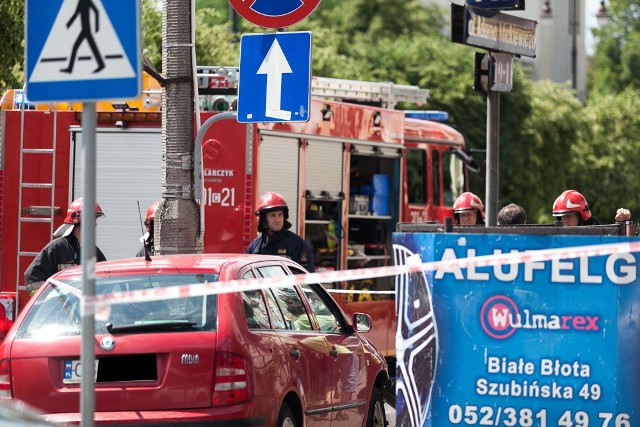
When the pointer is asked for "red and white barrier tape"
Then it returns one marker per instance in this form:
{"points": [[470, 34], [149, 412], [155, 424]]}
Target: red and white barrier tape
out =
{"points": [[90, 304]]}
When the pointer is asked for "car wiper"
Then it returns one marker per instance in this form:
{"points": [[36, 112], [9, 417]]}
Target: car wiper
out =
{"points": [[152, 326]]}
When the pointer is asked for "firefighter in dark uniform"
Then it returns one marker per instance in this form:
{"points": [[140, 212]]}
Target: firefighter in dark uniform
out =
{"points": [[60, 253], [275, 237], [147, 239]]}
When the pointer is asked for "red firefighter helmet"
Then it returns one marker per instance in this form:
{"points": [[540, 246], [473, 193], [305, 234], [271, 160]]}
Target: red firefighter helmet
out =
{"points": [[151, 214], [73, 217], [571, 201], [271, 201], [468, 201]]}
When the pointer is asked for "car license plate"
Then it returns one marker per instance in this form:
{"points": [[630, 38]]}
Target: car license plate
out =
{"points": [[73, 371]]}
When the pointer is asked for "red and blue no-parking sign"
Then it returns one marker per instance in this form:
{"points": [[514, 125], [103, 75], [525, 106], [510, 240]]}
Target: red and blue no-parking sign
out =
{"points": [[274, 14]]}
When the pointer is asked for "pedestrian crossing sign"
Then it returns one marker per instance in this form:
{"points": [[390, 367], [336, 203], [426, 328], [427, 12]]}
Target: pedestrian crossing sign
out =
{"points": [[82, 50]]}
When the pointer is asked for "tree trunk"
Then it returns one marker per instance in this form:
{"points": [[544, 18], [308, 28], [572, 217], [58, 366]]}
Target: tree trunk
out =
{"points": [[178, 216]]}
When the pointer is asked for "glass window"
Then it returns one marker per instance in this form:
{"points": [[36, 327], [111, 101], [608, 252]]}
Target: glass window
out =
{"points": [[416, 180], [293, 310], [326, 318], [272, 271], [277, 314], [255, 309], [56, 312], [435, 167], [452, 177]]}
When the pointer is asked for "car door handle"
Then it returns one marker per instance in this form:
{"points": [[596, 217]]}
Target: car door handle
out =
{"points": [[295, 353], [333, 352]]}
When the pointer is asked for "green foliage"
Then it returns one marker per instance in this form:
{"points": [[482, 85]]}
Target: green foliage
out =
{"points": [[378, 18], [215, 44], [152, 31], [616, 62], [605, 166], [539, 166], [12, 51]]}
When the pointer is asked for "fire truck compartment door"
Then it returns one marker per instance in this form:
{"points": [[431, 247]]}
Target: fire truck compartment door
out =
{"points": [[279, 171], [323, 164], [128, 171]]}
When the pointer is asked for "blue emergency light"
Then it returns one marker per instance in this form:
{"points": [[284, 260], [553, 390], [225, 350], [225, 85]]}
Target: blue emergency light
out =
{"points": [[19, 97], [437, 116]]}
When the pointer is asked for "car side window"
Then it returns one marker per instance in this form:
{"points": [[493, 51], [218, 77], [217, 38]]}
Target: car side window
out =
{"points": [[293, 309], [327, 320], [255, 310], [277, 315], [271, 271]]}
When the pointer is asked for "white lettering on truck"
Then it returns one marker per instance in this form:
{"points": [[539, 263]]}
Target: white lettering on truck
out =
{"points": [[218, 172]]}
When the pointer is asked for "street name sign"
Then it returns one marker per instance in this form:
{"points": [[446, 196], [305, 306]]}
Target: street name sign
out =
{"points": [[493, 30], [82, 50], [274, 14], [275, 77]]}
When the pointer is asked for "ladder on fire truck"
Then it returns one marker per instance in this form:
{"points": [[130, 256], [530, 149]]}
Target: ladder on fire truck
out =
{"points": [[386, 94], [215, 80], [33, 214]]}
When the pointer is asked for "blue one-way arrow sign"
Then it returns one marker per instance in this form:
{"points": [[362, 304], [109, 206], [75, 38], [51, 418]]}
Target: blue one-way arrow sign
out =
{"points": [[275, 77], [82, 50]]}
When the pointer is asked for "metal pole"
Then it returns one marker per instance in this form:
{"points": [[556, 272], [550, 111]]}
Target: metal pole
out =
{"points": [[88, 261], [574, 43], [493, 140], [197, 152], [233, 18]]}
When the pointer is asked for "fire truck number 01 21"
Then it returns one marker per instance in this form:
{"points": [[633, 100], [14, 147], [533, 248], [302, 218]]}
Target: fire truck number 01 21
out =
{"points": [[226, 197]]}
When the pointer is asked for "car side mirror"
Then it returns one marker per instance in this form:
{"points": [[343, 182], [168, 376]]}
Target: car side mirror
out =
{"points": [[362, 322]]}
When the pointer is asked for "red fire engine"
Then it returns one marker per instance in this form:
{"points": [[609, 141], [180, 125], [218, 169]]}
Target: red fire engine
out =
{"points": [[349, 175]]}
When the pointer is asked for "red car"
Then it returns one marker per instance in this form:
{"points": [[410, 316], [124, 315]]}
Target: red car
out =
{"points": [[282, 356]]}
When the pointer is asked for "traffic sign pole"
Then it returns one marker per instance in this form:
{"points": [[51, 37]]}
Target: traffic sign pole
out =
{"points": [[509, 35], [88, 262], [493, 147]]}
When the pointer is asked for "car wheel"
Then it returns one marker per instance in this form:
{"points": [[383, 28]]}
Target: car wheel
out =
{"points": [[376, 416], [286, 418]]}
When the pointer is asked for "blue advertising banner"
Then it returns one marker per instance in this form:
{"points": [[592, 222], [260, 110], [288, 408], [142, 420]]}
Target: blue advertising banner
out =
{"points": [[539, 343]]}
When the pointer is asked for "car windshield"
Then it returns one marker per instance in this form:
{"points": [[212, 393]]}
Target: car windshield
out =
{"points": [[56, 312]]}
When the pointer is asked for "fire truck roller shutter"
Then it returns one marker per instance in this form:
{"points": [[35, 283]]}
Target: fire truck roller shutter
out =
{"points": [[323, 164], [279, 171], [128, 167]]}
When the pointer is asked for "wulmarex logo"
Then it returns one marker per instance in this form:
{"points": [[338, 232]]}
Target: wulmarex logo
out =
{"points": [[500, 317]]}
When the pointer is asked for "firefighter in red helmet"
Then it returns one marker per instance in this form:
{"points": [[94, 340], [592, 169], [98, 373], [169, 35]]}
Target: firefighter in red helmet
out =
{"points": [[572, 208], [147, 239], [62, 252], [468, 209], [275, 237]]}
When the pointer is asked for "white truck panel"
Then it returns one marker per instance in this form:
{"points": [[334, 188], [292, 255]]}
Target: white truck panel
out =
{"points": [[128, 171]]}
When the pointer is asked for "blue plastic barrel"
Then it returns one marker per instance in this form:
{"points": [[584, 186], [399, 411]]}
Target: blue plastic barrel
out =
{"points": [[381, 185], [379, 205]]}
